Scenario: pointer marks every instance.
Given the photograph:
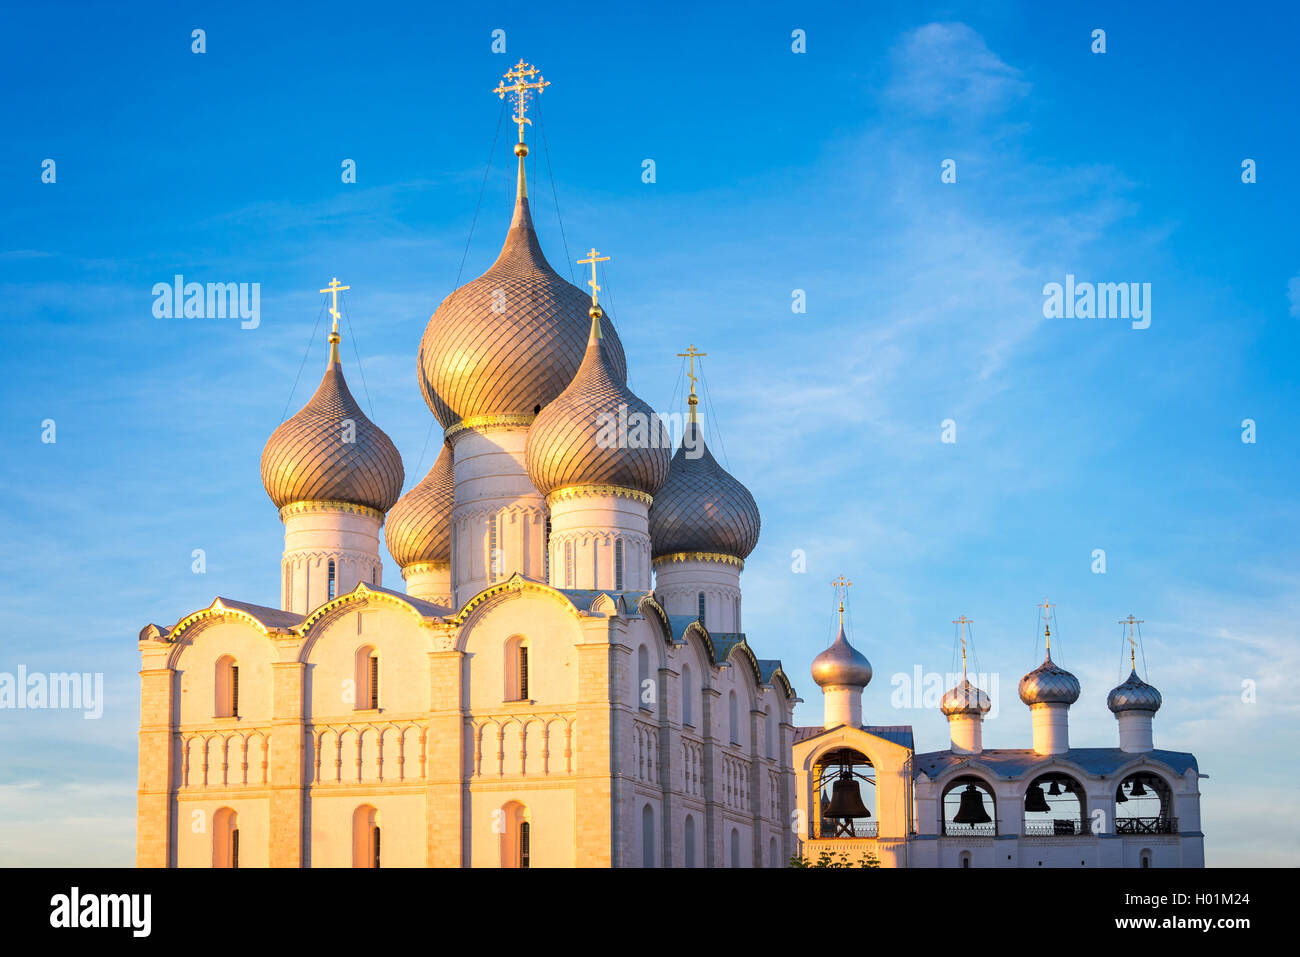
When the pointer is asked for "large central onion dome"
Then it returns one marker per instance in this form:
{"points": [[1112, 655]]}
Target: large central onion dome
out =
{"points": [[1049, 684], [597, 432], [841, 665], [419, 526], [508, 342], [701, 508], [330, 452], [1134, 695]]}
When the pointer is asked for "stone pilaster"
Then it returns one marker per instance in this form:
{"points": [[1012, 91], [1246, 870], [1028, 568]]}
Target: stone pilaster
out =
{"points": [[446, 745], [713, 855], [288, 758], [153, 824], [597, 824]]}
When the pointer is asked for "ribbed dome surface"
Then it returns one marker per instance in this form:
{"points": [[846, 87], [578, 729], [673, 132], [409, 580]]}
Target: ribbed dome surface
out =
{"points": [[509, 341], [419, 526], [575, 440], [841, 664], [701, 508], [1049, 684], [1134, 695], [307, 460], [965, 698]]}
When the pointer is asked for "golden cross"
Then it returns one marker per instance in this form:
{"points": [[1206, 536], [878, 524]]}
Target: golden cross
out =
{"points": [[1132, 645], [692, 354], [595, 258], [841, 585], [521, 73], [963, 621], [334, 289], [1047, 618]]}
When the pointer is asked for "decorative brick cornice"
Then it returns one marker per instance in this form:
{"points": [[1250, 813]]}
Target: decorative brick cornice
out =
{"points": [[301, 508], [719, 557], [587, 491], [488, 423]]}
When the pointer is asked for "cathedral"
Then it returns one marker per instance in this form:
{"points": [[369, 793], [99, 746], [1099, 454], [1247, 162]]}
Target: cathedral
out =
{"points": [[564, 680]]}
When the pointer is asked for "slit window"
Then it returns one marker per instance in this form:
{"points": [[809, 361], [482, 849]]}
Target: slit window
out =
{"points": [[373, 683], [618, 565], [333, 580]]}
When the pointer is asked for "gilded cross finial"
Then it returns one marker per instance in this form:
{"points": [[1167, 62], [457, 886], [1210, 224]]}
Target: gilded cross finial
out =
{"points": [[593, 257], [1047, 620], [1132, 643], [963, 621], [334, 289], [841, 586], [692, 354], [522, 90]]}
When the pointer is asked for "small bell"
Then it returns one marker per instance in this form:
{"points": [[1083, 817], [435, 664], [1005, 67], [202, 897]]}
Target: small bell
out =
{"points": [[1055, 789], [1034, 799], [971, 811], [1138, 790]]}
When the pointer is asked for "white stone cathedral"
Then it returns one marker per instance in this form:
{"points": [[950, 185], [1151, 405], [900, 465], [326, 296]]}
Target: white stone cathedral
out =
{"points": [[564, 681]]}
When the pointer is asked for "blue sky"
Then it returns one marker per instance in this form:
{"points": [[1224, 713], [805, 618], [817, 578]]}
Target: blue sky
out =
{"points": [[775, 171]]}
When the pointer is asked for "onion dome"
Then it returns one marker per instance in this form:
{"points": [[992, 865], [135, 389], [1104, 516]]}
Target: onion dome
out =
{"points": [[510, 341], [419, 526], [965, 698], [841, 664], [701, 507], [1134, 695], [1049, 684], [330, 452], [578, 439]]}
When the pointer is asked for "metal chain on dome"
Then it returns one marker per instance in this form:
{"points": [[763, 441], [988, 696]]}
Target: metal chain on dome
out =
{"points": [[546, 150], [352, 334], [713, 414], [487, 169], [302, 365]]}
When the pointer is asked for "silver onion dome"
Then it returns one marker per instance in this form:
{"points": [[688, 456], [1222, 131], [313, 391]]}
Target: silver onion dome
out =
{"points": [[965, 698], [572, 442], [419, 526], [1134, 695], [841, 664], [1049, 684], [331, 452]]}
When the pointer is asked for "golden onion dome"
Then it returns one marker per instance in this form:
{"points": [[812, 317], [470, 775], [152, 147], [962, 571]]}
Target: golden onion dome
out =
{"points": [[419, 525], [510, 341], [841, 665], [702, 508], [331, 452], [596, 432]]}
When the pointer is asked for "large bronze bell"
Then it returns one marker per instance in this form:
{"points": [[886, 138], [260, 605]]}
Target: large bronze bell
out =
{"points": [[846, 799], [1035, 800], [1120, 796], [971, 811], [1138, 790]]}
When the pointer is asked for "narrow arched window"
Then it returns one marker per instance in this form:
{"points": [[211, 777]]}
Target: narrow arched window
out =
{"points": [[516, 669], [374, 575], [333, 580], [965, 860], [688, 696], [366, 678], [688, 841], [525, 842], [225, 838], [516, 835], [492, 548], [738, 628], [618, 565], [546, 550], [227, 688], [375, 847], [568, 565], [733, 714], [644, 688], [772, 852], [699, 604], [735, 848], [365, 837], [647, 836]]}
